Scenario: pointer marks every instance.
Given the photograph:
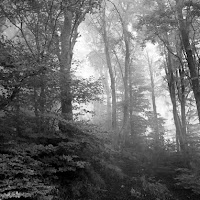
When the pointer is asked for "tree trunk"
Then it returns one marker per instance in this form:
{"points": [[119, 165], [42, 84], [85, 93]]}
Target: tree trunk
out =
{"points": [[131, 100], [42, 102], [184, 32], [177, 122], [181, 89], [183, 101], [104, 73], [126, 88], [36, 111], [112, 77], [108, 105], [18, 121], [65, 66], [155, 115]]}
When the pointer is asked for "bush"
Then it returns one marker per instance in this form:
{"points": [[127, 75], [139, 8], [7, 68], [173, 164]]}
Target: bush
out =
{"points": [[55, 167], [148, 188], [189, 179]]}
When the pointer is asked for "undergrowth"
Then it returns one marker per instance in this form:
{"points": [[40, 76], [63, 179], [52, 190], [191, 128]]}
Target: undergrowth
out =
{"points": [[80, 166]]}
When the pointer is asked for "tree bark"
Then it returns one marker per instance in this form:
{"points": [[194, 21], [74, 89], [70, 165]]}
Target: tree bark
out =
{"points": [[125, 130], [110, 124], [183, 101], [35, 100], [181, 91], [171, 85], [184, 32], [112, 77], [155, 115], [131, 100], [42, 102], [65, 66], [17, 115], [104, 73]]}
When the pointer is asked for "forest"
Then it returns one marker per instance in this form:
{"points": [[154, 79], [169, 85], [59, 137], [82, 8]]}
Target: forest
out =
{"points": [[100, 99]]}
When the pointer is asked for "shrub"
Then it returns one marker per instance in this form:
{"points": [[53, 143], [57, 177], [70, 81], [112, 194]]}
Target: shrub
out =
{"points": [[189, 179]]}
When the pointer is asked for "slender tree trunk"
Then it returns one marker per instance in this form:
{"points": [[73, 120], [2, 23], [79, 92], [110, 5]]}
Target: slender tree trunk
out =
{"points": [[109, 106], [184, 32], [104, 73], [183, 115], [42, 98], [155, 115], [112, 77], [182, 103], [177, 122], [181, 89], [36, 111], [126, 87], [131, 100], [182, 98], [18, 121], [175, 112], [42, 102]]}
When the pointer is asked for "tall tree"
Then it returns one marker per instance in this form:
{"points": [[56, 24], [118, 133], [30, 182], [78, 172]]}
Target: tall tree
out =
{"points": [[184, 26], [165, 33], [110, 69], [122, 11], [74, 13], [102, 24], [49, 28], [153, 97]]}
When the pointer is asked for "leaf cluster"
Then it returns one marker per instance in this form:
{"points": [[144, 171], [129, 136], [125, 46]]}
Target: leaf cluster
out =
{"points": [[86, 90]]}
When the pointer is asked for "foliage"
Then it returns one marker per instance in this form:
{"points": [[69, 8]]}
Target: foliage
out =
{"points": [[86, 90], [21, 176], [30, 59], [56, 166], [189, 178], [79, 163], [154, 189]]}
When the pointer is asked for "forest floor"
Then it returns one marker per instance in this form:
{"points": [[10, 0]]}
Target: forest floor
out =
{"points": [[168, 177], [122, 190], [163, 173], [84, 166]]}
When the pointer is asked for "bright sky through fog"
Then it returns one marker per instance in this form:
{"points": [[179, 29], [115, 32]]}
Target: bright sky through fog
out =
{"points": [[81, 51], [152, 51]]}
